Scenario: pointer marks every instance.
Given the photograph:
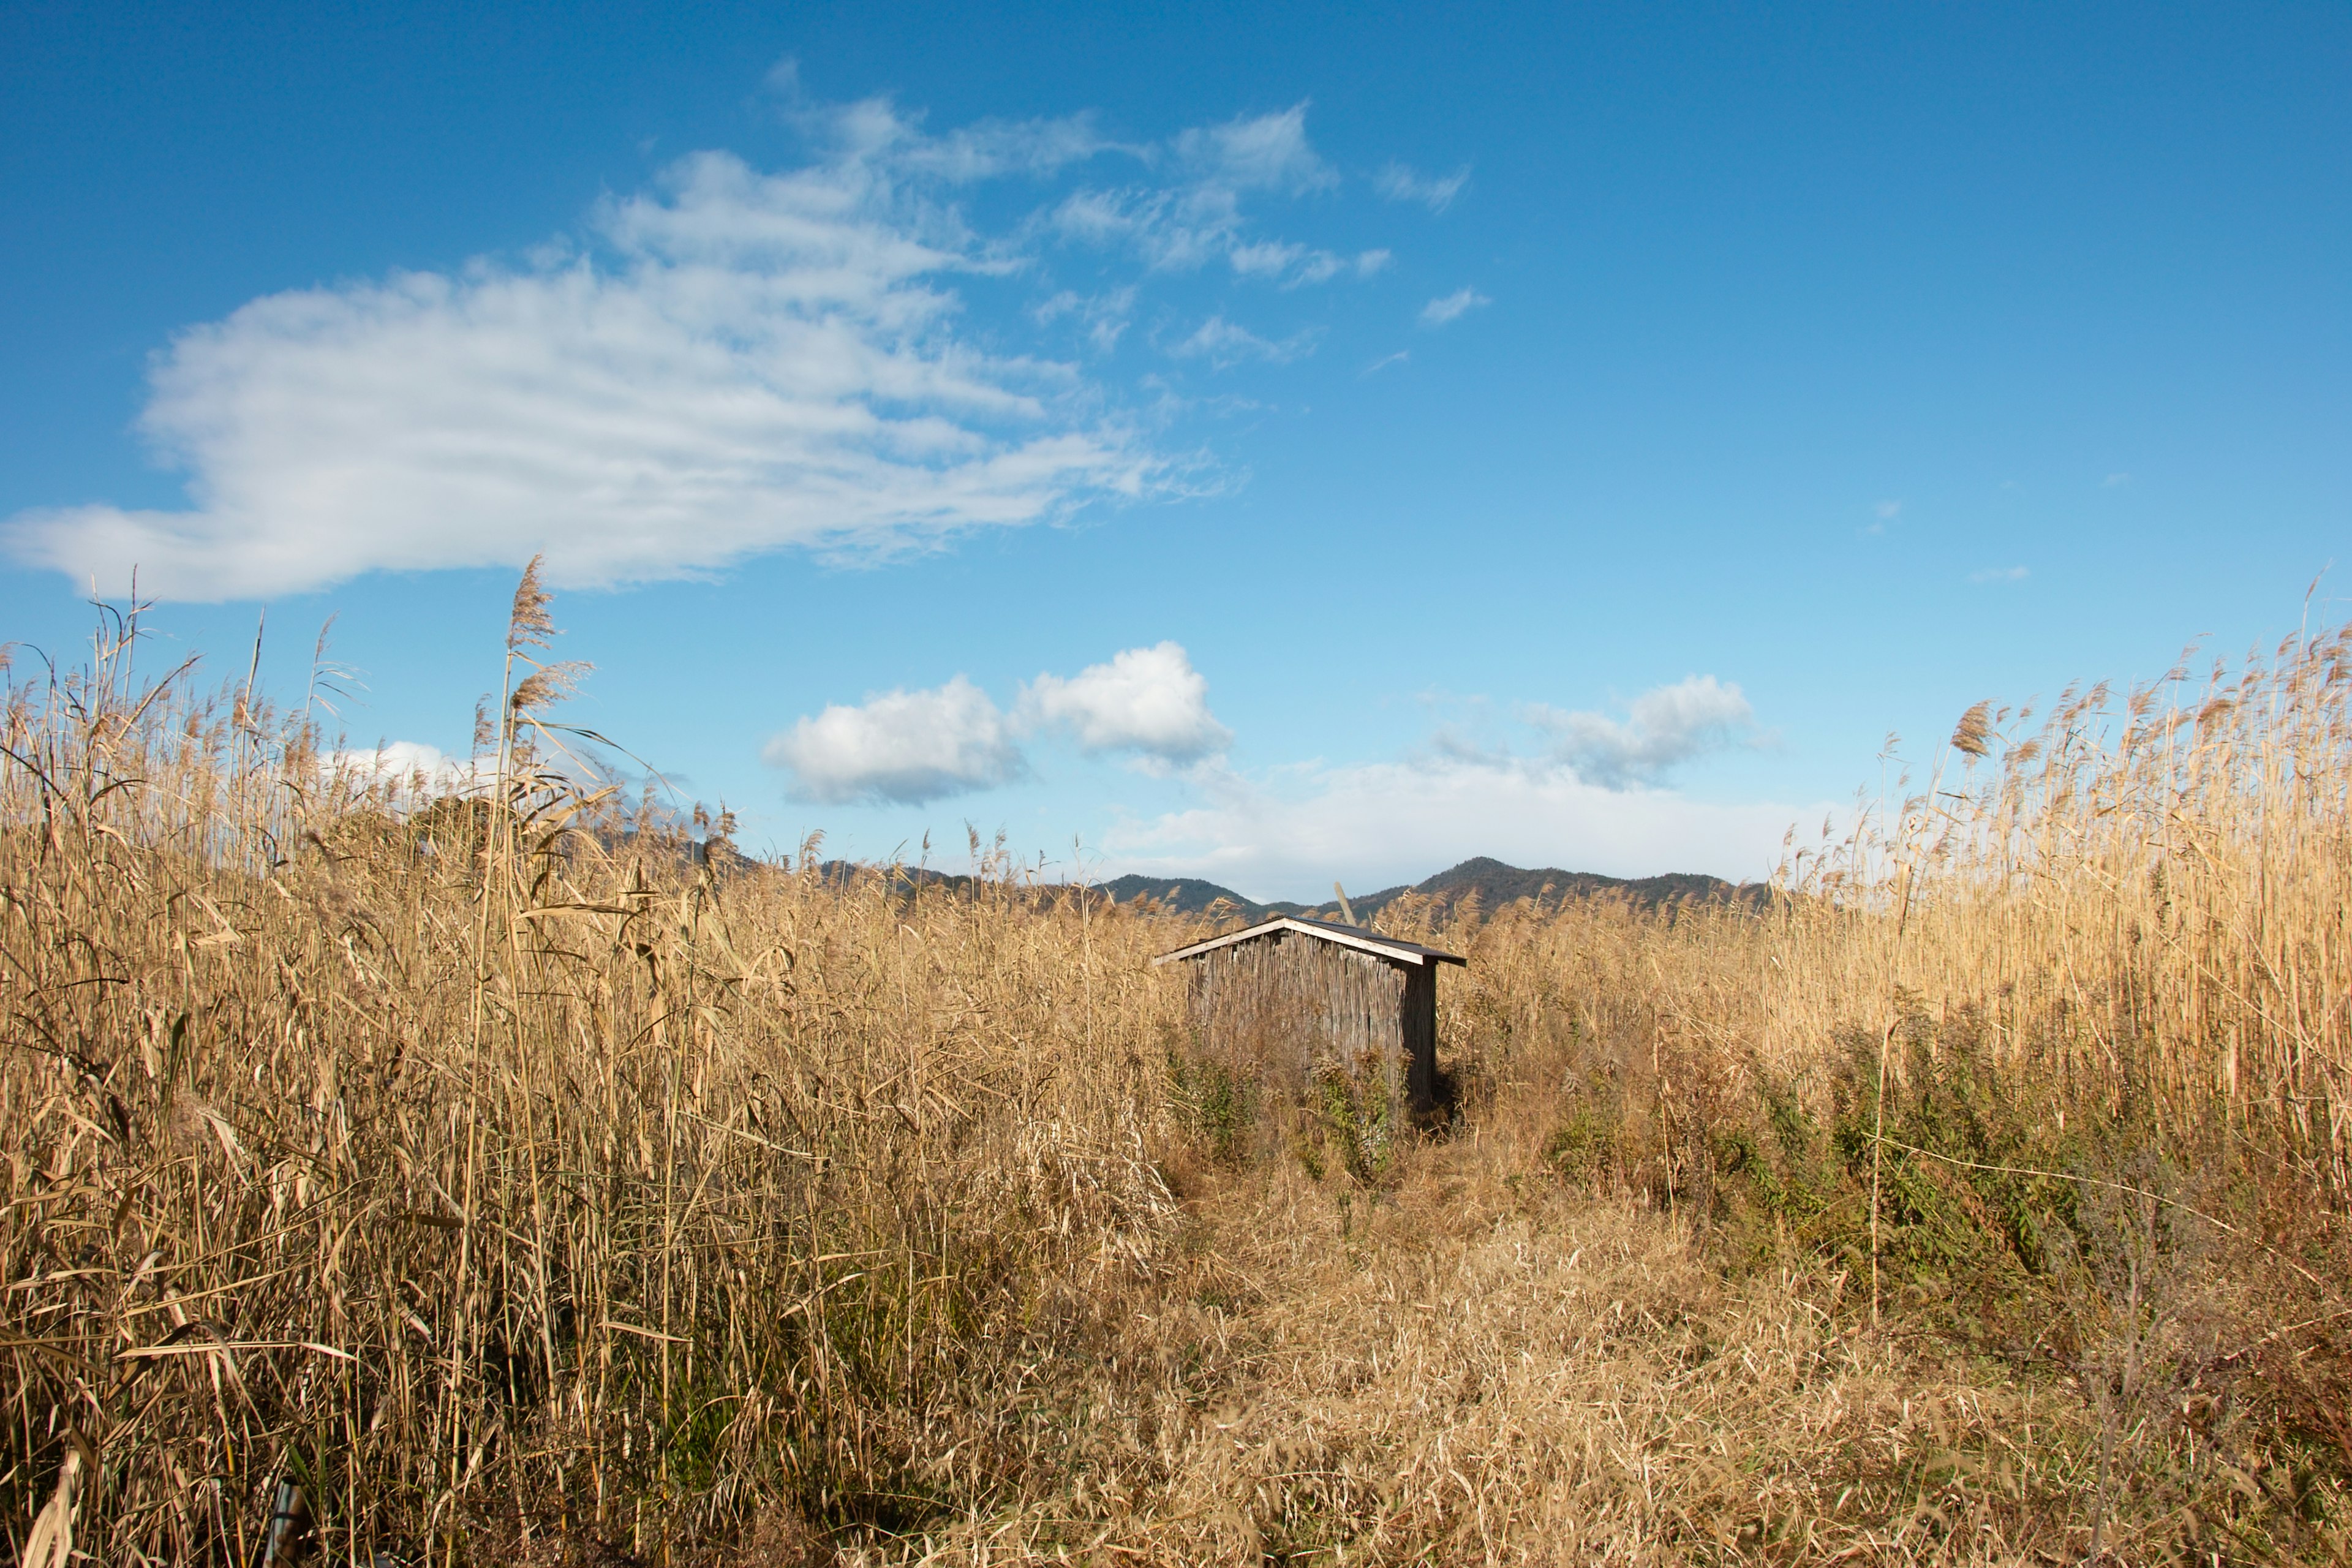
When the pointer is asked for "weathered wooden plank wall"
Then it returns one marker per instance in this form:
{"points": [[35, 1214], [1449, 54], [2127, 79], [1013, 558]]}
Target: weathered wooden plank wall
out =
{"points": [[1417, 1016], [1286, 1009]]}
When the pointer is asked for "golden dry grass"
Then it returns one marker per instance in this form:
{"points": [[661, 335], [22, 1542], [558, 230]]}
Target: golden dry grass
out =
{"points": [[509, 1181]]}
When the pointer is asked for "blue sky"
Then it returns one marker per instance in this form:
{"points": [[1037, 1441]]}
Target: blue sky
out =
{"points": [[1271, 443]]}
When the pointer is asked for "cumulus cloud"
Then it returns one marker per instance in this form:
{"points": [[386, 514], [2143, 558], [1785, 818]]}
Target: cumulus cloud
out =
{"points": [[910, 747], [729, 363], [1664, 727], [901, 748], [1147, 700], [409, 769], [1379, 824], [1400, 184], [1449, 307]]}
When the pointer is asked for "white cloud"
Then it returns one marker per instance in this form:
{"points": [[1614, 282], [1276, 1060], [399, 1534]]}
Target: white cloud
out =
{"points": [[2000, 575], [1270, 258], [1106, 314], [1591, 802], [1888, 511], [409, 769], [1148, 701], [1377, 825], [1294, 265], [1448, 307], [1223, 344], [1266, 151], [1401, 356], [1666, 726], [901, 747], [1201, 217], [1399, 183], [766, 360], [909, 747], [989, 150], [2112, 480], [732, 363]]}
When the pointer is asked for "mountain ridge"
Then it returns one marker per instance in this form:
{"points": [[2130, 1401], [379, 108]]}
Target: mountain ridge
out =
{"points": [[1493, 882]]}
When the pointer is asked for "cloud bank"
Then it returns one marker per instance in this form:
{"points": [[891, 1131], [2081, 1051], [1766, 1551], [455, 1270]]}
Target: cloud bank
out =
{"points": [[731, 363], [1592, 799], [907, 748], [1380, 824]]}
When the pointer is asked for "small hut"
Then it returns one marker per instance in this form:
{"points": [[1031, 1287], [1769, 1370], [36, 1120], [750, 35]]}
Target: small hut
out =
{"points": [[1290, 999]]}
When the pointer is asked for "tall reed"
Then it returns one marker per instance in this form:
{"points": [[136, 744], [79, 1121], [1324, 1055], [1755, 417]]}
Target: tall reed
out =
{"points": [[504, 1161]]}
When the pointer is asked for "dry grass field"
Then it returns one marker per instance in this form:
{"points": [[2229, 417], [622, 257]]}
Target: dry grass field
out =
{"points": [[500, 1179]]}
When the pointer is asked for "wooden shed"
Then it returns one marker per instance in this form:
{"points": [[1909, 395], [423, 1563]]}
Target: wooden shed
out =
{"points": [[1291, 998]]}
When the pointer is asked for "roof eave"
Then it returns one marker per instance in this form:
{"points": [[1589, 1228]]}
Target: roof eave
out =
{"points": [[1373, 945]]}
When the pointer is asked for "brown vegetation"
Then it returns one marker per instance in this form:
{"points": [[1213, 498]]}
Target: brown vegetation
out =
{"points": [[507, 1180]]}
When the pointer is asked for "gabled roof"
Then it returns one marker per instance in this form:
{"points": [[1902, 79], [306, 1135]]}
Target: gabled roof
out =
{"points": [[1388, 947]]}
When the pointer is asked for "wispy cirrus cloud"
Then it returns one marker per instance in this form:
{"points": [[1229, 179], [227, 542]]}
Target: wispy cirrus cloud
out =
{"points": [[1256, 152], [1399, 183], [1223, 343], [729, 362], [1201, 215], [2000, 575], [1451, 307]]}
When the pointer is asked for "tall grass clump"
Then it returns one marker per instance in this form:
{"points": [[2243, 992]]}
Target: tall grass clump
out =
{"points": [[516, 1165], [2050, 1059]]}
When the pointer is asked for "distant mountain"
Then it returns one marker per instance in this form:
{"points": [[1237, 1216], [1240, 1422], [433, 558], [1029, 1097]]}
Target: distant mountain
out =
{"points": [[1494, 884], [1497, 884], [1182, 895]]}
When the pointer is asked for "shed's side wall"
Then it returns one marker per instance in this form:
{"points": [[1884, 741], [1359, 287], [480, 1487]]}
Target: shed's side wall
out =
{"points": [[1417, 1018]]}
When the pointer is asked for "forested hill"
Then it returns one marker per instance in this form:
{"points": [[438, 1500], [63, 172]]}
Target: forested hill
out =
{"points": [[1493, 882]]}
